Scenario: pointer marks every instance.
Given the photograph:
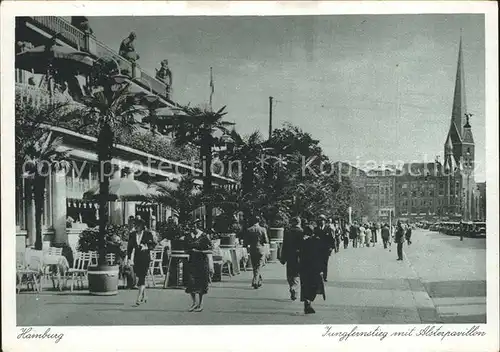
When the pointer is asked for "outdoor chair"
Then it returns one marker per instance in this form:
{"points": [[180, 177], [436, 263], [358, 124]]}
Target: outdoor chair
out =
{"points": [[220, 264], [93, 258], [111, 258], [30, 273], [53, 251], [78, 272], [156, 264]]}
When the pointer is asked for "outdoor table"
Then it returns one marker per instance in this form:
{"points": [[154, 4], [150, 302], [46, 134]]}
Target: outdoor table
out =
{"points": [[178, 257], [234, 254], [210, 256], [58, 262]]}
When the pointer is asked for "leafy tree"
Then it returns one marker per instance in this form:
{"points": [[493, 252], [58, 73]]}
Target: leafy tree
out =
{"points": [[184, 199]]}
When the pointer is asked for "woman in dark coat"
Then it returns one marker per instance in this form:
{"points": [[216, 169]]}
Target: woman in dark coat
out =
{"points": [[197, 245], [310, 268], [290, 255], [141, 242]]}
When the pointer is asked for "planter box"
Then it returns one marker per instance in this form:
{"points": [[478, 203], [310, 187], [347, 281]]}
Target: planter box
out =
{"points": [[228, 239], [103, 280], [276, 233]]}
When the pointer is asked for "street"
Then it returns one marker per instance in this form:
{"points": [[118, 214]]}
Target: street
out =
{"points": [[440, 280], [453, 273]]}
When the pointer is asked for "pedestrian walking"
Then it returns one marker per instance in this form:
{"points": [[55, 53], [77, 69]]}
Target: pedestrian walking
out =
{"points": [[461, 230], [399, 239], [331, 225], [368, 235], [310, 269], [353, 234], [345, 235], [362, 236], [337, 234], [386, 234], [256, 238], [408, 234], [324, 233], [197, 245], [290, 255], [376, 232], [140, 243]]}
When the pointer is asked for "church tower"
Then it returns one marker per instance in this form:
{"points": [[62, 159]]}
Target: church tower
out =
{"points": [[459, 145]]}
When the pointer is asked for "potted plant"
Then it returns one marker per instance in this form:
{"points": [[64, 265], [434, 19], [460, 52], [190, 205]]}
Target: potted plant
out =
{"points": [[115, 242], [173, 232], [277, 223], [227, 227]]}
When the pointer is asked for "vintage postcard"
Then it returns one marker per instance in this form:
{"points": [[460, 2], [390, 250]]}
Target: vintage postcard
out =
{"points": [[239, 175]]}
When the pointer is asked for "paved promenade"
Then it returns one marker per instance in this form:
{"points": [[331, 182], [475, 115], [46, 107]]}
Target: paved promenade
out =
{"points": [[365, 286]]}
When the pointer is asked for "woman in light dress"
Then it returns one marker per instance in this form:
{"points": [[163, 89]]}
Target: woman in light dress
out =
{"points": [[362, 235], [368, 235]]}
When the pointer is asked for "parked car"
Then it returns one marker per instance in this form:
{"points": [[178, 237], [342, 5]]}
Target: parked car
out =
{"points": [[479, 229]]}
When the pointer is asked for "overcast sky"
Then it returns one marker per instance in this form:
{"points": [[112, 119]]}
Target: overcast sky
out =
{"points": [[334, 76]]}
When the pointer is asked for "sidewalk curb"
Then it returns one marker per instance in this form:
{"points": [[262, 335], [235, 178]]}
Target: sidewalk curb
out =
{"points": [[424, 303]]}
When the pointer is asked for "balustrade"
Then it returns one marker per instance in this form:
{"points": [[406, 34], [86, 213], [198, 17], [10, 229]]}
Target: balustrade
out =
{"points": [[86, 42]]}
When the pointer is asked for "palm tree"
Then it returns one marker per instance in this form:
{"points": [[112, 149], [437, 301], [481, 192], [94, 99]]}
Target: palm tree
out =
{"points": [[41, 156], [114, 109], [184, 198], [197, 126], [247, 153]]}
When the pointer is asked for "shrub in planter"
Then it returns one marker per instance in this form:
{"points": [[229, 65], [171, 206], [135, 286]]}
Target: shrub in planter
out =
{"points": [[173, 232], [227, 227], [116, 240], [279, 221], [103, 279]]}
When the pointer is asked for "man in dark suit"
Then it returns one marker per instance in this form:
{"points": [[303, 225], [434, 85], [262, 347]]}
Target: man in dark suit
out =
{"points": [[386, 234], [325, 234], [256, 238], [290, 255], [399, 239]]}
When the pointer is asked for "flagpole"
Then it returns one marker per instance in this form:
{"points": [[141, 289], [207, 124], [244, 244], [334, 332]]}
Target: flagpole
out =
{"points": [[211, 88]]}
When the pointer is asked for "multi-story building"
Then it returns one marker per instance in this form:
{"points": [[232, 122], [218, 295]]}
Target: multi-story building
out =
{"points": [[64, 189], [380, 189], [432, 190]]}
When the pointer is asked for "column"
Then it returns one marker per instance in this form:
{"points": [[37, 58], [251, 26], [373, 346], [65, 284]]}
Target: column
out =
{"points": [[59, 206], [29, 208], [130, 206], [115, 207]]}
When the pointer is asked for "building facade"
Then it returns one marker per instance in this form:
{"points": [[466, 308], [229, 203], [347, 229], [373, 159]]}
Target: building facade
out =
{"points": [[64, 189], [435, 190]]}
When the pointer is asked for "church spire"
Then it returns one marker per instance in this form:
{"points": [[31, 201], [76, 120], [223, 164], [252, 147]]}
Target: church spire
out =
{"points": [[459, 103]]}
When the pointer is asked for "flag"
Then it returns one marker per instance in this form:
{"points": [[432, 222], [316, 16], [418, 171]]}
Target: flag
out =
{"points": [[212, 88]]}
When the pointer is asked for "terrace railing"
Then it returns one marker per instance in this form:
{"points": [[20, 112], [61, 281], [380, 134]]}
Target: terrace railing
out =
{"points": [[87, 42]]}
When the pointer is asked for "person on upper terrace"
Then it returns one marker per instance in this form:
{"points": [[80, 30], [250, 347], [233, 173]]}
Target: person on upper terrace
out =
{"points": [[127, 48], [165, 75], [82, 23]]}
